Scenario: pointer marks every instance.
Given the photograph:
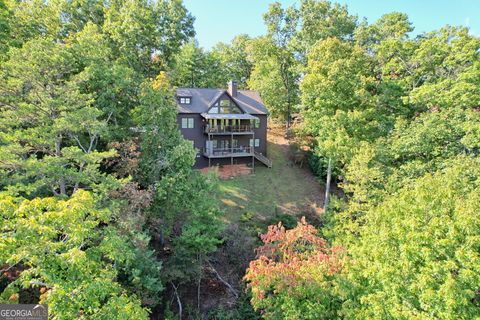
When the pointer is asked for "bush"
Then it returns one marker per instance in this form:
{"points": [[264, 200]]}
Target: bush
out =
{"points": [[288, 221], [319, 166]]}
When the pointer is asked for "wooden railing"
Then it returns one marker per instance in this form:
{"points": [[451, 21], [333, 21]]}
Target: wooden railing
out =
{"points": [[260, 157], [228, 151], [228, 129]]}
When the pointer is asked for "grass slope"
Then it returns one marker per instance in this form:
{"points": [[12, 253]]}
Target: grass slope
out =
{"points": [[284, 192]]}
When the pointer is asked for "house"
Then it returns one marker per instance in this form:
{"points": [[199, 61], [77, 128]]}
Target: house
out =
{"points": [[225, 126]]}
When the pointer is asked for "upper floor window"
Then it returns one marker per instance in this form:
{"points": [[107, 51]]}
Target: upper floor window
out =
{"points": [[187, 123], [255, 123], [185, 100], [225, 105]]}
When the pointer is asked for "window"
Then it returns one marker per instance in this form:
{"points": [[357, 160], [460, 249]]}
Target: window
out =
{"points": [[234, 143], [185, 100], [257, 143], [224, 144], [213, 110], [224, 109], [255, 123], [187, 123], [214, 144], [224, 106], [225, 103]]}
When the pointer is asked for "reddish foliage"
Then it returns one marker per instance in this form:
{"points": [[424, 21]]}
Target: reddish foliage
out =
{"points": [[126, 163], [291, 257], [137, 200]]}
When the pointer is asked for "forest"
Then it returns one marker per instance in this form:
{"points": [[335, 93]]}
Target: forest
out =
{"points": [[103, 217]]}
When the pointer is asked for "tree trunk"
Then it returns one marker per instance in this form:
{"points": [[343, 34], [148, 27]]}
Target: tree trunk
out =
{"points": [[198, 291], [179, 302], [289, 116], [327, 186], [200, 261], [161, 239]]}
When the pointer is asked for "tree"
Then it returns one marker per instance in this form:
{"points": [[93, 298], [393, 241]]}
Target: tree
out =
{"points": [[416, 255], [59, 250], [234, 60], [275, 72], [183, 219], [448, 69], [319, 20], [6, 25], [196, 68], [294, 274], [338, 105], [76, 83], [143, 34], [390, 26], [388, 43], [142, 29], [49, 126]]}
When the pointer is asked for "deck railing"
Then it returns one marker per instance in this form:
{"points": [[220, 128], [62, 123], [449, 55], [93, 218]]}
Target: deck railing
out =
{"points": [[260, 157], [228, 129], [227, 152]]}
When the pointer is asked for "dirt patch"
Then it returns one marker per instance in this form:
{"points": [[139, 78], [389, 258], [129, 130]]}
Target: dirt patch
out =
{"points": [[229, 171]]}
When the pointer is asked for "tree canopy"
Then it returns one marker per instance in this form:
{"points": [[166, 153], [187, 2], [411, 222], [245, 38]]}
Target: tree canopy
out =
{"points": [[399, 118], [92, 166], [103, 217]]}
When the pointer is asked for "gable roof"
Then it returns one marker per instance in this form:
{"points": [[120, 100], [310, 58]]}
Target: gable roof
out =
{"points": [[202, 99]]}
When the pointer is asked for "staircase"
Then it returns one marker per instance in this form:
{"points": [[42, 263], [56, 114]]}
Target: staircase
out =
{"points": [[260, 157]]}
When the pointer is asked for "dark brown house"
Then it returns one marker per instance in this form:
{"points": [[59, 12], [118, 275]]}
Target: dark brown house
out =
{"points": [[225, 126]]}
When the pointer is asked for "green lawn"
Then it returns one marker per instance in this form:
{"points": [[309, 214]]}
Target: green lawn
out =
{"points": [[284, 192]]}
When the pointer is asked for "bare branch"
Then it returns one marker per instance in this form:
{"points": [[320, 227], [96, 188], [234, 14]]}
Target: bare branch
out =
{"points": [[178, 300], [232, 290], [79, 143], [39, 283]]}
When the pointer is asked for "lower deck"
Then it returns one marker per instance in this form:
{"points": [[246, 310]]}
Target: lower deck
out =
{"points": [[228, 152]]}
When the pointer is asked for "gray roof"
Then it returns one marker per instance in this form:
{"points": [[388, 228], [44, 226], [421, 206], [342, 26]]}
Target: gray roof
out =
{"points": [[202, 99]]}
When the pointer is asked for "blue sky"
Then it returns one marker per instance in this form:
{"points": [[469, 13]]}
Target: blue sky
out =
{"points": [[221, 20]]}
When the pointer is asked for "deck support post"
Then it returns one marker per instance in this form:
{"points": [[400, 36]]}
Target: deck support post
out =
{"points": [[252, 150], [231, 148], [208, 152]]}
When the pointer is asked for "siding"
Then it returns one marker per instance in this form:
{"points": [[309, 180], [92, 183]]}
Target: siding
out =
{"points": [[195, 135], [198, 137], [261, 133]]}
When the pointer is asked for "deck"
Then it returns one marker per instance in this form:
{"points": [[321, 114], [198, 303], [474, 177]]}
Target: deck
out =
{"points": [[235, 130], [228, 152]]}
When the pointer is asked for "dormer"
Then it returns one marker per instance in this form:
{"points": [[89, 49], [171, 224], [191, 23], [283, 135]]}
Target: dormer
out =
{"points": [[184, 96], [185, 100]]}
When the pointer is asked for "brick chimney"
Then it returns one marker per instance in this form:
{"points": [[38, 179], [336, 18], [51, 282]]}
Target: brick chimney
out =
{"points": [[232, 88]]}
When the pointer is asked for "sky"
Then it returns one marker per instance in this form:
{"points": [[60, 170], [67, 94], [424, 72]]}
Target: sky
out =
{"points": [[221, 20]]}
